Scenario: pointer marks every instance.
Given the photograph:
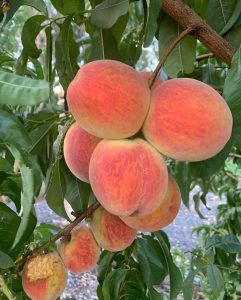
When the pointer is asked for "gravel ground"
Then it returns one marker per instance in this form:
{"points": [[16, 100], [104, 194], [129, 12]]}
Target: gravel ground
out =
{"points": [[83, 286]]}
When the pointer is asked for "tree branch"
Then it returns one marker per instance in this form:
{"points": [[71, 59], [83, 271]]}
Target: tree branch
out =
{"points": [[187, 18], [204, 56], [167, 53], [64, 232]]}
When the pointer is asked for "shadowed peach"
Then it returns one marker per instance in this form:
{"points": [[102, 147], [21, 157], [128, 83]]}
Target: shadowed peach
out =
{"points": [[110, 232], [44, 277], [188, 120], [78, 148], [162, 216], [81, 253], [109, 99], [128, 176]]}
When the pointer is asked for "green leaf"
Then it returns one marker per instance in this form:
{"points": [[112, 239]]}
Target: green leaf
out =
{"points": [[5, 165], [234, 37], [154, 295], [12, 188], [212, 77], [182, 58], [12, 131], [24, 91], [69, 7], [21, 63], [15, 4], [154, 7], [56, 191], [31, 29], [104, 265], [206, 168], [77, 191], [226, 14], [215, 279], [229, 243], [175, 274], [183, 178], [188, 285], [112, 283], [149, 258], [48, 55], [107, 13], [9, 223], [232, 94], [5, 261], [27, 198]]}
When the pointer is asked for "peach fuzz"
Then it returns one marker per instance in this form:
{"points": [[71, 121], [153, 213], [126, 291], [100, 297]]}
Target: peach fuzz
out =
{"points": [[78, 148], [162, 216], [81, 253], [109, 99], [188, 120], [44, 277], [128, 176], [110, 232]]}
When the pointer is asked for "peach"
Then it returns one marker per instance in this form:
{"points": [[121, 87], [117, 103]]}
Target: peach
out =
{"points": [[188, 120], [78, 148], [162, 216], [44, 277], [109, 99], [81, 253], [110, 232], [128, 176]]}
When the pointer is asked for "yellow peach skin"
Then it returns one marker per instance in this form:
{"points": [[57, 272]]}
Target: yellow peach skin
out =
{"points": [[188, 120], [162, 216], [110, 232], [78, 148], [81, 253], [109, 99], [128, 176], [44, 277]]}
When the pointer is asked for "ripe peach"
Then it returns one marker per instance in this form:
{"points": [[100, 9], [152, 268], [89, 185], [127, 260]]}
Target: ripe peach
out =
{"points": [[110, 232], [163, 215], [44, 277], [128, 176], [78, 148], [109, 99], [188, 120], [81, 253]]}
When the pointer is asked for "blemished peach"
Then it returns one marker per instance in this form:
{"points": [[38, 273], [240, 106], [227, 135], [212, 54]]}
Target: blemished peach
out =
{"points": [[110, 232], [81, 253], [128, 176], [188, 120], [109, 99], [44, 277], [78, 148], [162, 216]]}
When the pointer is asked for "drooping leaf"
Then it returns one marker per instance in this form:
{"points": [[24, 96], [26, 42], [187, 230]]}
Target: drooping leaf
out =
{"points": [[12, 188], [183, 178], [112, 283], [188, 285], [232, 94], [215, 279], [5, 261], [21, 63], [31, 29], [107, 13], [229, 243], [154, 7], [155, 295], [234, 37], [27, 193], [48, 55], [182, 58], [175, 274], [105, 265], [24, 91], [8, 226], [12, 131], [69, 7], [149, 258], [226, 14]]}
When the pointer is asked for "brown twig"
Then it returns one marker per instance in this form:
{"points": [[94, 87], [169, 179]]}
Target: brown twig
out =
{"points": [[186, 17], [167, 53], [204, 56], [64, 232]]}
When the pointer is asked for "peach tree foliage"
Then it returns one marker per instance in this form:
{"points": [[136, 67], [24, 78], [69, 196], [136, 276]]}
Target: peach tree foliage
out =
{"points": [[32, 128]]}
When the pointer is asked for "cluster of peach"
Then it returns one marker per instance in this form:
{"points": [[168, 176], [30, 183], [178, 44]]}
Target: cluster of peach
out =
{"points": [[112, 103]]}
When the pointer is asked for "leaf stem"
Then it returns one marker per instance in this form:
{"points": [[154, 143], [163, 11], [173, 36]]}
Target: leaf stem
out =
{"points": [[167, 53]]}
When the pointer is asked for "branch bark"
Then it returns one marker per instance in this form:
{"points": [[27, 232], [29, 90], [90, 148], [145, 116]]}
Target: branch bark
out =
{"points": [[187, 18]]}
